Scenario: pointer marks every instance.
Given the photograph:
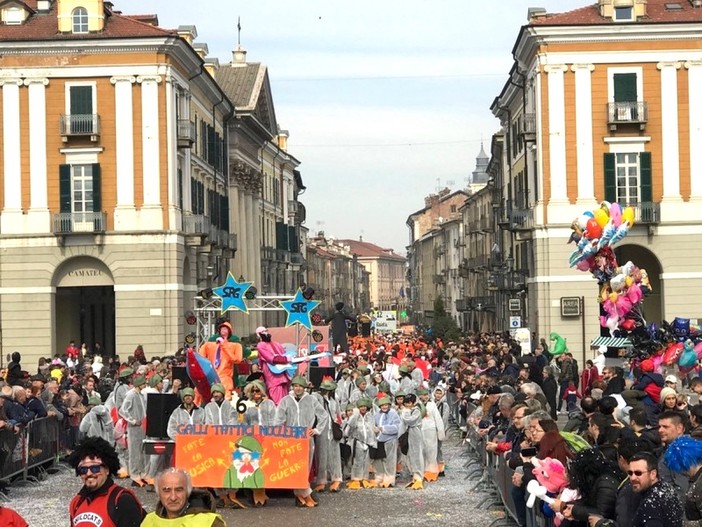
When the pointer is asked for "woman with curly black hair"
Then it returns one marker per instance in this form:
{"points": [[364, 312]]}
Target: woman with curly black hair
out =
{"points": [[597, 480], [100, 501]]}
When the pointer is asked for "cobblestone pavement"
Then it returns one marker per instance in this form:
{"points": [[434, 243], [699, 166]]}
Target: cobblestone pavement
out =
{"points": [[446, 502]]}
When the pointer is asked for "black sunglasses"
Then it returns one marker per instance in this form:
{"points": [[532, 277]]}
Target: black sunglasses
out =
{"points": [[637, 473], [93, 469]]}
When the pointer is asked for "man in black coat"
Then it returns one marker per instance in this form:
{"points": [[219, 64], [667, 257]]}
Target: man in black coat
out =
{"points": [[14, 370], [339, 328], [614, 377], [550, 389]]}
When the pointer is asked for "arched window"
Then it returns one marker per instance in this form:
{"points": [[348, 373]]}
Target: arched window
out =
{"points": [[80, 20]]}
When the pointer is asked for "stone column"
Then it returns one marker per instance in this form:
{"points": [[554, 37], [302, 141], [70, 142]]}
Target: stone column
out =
{"points": [[583, 134], [557, 133], [38, 217], [694, 80], [151, 216], [12, 220], [669, 128], [125, 212]]}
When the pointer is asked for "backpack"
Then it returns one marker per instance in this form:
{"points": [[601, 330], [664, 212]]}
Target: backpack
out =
{"points": [[574, 442]]}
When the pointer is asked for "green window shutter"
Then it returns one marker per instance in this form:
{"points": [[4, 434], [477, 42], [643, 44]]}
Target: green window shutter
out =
{"points": [[65, 188], [81, 100], [610, 178], [645, 177], [625, 87], [97, 188]]}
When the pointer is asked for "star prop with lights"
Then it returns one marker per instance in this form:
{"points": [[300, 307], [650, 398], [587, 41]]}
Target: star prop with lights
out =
{"points": [[299, 310], [232, 294]]}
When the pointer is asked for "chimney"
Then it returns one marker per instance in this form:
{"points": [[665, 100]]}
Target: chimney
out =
{"points": [[534, 13], [283, 140], [696, 4], [238, 56], [201, 49], [212, 65], [187, 33]]}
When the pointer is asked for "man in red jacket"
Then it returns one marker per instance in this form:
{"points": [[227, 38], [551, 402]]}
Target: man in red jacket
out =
{"points": [[100, 501]]}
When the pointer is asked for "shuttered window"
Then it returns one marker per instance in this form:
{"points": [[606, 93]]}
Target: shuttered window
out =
{"points": [[627, 178]]}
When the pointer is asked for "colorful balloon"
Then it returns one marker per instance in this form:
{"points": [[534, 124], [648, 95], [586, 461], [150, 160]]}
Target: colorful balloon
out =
{"points": [[615, 214], [593, 230], [601, 217], [628, 215]]}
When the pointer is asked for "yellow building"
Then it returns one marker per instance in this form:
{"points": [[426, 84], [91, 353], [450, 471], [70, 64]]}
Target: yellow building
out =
{"points": [[113, 192], [603, 104]]}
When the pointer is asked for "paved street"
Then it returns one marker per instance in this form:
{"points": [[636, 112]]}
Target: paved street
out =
{"points": [[446, 502]]}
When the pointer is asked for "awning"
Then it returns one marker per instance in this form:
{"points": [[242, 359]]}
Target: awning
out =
{"points": [[611, 342]]}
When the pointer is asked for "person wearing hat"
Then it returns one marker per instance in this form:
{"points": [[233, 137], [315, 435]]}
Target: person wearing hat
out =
{"points": [[344, 387], [100, 501], [98, 423], [339, 328], [387, 426], [260, 408], [219, 411], [411, 417], [600, 360], [407, 384], [188, 413], [301, 409], [361, 430], [327, 450], [272, 353], [399, 400], [360, 391], [224, 354], [433, 432], [133, 410]]}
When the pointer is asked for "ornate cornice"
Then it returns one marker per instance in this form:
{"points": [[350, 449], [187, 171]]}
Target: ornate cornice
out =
{"points": [[37, 80], [123, 78]]}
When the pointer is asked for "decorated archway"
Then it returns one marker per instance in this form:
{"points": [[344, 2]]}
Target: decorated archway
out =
{"points": [[645, 259]]}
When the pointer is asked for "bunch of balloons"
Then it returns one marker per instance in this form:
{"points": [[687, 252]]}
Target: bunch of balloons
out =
{"points": [[598, 229], [622, 288], [677, 343]]}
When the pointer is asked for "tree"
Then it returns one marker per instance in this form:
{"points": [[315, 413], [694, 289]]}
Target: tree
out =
{"points": [[443, 325]]}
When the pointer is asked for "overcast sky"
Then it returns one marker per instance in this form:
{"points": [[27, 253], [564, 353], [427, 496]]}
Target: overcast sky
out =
{"points": [[384, 100]]}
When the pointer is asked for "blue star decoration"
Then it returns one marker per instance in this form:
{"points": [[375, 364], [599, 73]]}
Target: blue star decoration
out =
{"points": [[232, 294], [299, 310]]}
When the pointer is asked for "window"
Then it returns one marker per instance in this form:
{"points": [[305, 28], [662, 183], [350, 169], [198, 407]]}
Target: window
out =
{"points": [[79, 189], [81, 111], [79, 19], [13, 16], [628, 178], [623, 14]]}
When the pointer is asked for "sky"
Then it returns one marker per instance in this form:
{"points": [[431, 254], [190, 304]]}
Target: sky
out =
{"points": [[385, 102]]}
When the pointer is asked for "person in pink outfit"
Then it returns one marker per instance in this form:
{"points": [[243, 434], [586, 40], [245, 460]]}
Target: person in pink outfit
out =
{"points": [[269, 352]]}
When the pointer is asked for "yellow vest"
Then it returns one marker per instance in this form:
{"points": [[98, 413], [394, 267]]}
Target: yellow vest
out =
{"points": [[199, 519]]}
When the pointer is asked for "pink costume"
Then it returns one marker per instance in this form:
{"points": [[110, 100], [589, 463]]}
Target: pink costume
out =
{"points": [[277, 384]]}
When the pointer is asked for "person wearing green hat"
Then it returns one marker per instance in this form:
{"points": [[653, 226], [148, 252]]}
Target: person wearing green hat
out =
{"points": [[387, 426], [399, 400], [188, 413], [433, 432], [361, 431], [219, 411], [133, 410], [301, 409], [344, 387], [411, 417], [327, 450], [407, 384], [360, 390]]}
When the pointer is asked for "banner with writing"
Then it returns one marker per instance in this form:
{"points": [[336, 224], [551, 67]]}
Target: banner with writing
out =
{"points": [[244, 457]]}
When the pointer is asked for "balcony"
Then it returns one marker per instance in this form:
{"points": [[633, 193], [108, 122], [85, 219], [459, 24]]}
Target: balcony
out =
{"points": [[196, 228], [297, 258], [462, 304], [186, 133], [648, 213], [79, 125], [528, 124], [625, 113], [268, 253], [521, 219], [439, 279], [485, 224], [79, 222], [282, 255]]}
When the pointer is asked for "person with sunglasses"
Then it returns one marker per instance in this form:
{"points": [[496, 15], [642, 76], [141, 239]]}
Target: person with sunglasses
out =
{"points": [[100, 501]]}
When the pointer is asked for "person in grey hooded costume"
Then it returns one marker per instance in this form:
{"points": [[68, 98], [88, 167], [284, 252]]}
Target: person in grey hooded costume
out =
{"points": [[262, 409], [361, 429], [133, 410], [219, 411], [327, 448], [301, 409], [387, 430], [98, 422], [411, 416]]}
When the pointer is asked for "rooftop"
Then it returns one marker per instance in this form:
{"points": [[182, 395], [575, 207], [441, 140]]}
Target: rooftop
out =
{"points": [[657, 12]]}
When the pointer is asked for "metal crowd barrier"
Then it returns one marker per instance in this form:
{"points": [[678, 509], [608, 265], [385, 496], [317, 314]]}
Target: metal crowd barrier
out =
{"points": [[26, 456], [493, 477]]}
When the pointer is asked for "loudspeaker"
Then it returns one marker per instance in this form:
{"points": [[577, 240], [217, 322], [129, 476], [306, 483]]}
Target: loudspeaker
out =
{"points": [[365, 329], [317, 372], [179, 372], [159, 407]]}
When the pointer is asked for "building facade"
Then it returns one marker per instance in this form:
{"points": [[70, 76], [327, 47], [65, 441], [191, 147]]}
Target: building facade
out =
{"points": [[603, 105], [114, 189]]}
